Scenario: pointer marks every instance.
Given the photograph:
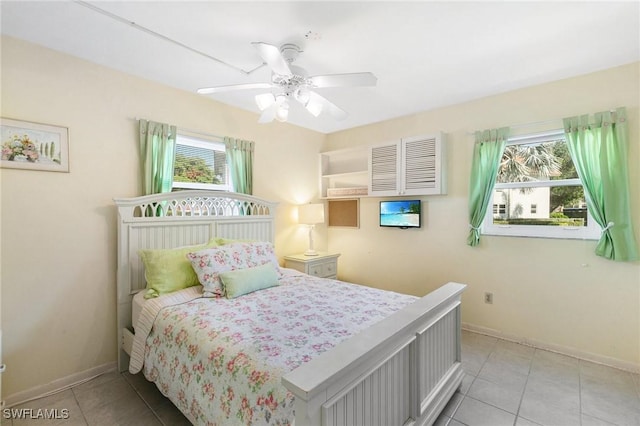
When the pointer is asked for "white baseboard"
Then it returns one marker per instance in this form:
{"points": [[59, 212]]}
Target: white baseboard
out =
{"points": [[77, 378], [58, 385], [572, 352]]}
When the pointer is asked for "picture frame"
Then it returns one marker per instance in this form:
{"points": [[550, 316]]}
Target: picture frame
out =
{"points": [[33, 146]]}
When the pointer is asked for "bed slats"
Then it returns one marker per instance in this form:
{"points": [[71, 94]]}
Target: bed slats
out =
{"points": [[382, 398], [400, 371]]}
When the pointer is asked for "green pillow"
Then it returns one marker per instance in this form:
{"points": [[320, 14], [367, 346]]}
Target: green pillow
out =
{"points": [[169, 270], [247, 280]]}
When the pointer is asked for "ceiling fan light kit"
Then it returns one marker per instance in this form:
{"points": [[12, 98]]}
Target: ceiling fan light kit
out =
{"points": [[302, 95], [282, 113], [265, 100], [292, 82]]}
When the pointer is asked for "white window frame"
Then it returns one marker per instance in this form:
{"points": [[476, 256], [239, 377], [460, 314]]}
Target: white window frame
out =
{"points": [[590, 232], [201, 142]]}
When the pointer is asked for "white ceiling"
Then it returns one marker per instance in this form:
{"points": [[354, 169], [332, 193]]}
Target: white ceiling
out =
{"points": [[425, 54]]}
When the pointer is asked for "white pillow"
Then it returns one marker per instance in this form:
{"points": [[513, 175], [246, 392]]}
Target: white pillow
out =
{"points": [[210, 263]]}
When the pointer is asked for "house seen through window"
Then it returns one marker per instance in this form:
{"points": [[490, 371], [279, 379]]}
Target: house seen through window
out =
{"points": [[200, 164], [538, 192]]}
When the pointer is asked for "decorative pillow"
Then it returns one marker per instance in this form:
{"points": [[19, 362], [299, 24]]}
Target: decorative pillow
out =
{"points": [[169, 270], [208, 264], [244, 281]]}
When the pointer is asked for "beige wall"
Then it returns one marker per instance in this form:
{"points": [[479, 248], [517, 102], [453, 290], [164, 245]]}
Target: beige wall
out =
{"points": [[553, 292], [59, 229]]}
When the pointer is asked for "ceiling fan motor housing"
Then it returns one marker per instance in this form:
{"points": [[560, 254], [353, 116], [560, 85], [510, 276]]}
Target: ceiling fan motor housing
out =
{"points": [[290, 52]]}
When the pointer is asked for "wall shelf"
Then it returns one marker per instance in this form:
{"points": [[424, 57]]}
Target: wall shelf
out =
{"points": [[346, 172]]}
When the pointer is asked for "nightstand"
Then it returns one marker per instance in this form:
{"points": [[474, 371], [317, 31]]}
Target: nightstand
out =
{"points": [[324, 265]]}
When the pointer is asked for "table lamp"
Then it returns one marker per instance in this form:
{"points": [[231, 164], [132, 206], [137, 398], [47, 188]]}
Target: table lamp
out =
{"points": [[311, 214]]}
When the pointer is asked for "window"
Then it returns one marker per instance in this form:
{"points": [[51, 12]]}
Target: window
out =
{"points": [[499, 209], [200, 164], [538, 192]]}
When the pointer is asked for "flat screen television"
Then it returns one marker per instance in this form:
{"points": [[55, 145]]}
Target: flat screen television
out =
{"points": [[400, 213]]}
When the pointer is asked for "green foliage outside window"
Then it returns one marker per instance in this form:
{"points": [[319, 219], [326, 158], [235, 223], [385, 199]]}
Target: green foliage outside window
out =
{"points": [[193, 169], [542, 161]]}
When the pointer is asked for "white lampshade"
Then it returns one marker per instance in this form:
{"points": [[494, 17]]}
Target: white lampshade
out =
{"points": [[315, 108], [265, 100], [310, 214], [282, 113], [302, 95]]}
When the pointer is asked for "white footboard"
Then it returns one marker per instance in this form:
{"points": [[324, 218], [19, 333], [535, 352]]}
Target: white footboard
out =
{"points": [[401, 371]]}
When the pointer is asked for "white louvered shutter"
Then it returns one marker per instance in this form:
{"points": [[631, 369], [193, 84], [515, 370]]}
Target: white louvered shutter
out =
{"points": [[423, 161], [413, 166], [384, 168], [420, 165]]}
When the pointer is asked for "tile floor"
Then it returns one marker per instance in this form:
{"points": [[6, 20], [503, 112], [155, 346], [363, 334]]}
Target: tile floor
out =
{"points": [[506, 384]]}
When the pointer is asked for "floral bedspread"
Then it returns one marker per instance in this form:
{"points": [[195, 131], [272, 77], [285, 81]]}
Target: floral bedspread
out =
{"points": [[220, 361]]}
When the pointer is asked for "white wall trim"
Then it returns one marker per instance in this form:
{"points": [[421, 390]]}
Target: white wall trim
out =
{"points": [[59, 385], [564, 350]]}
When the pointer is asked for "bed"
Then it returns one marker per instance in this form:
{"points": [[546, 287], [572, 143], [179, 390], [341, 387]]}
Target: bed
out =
{"points": [[397, 362]]}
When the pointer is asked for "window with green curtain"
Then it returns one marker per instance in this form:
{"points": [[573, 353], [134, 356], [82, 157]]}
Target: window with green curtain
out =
{"points": [[157, 148], [240, 160], [200, 163], [538, 192], [487, 152], [598, 146]]}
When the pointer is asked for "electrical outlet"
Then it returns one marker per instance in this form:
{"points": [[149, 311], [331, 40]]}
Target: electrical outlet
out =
{"points": [[488, 298]]}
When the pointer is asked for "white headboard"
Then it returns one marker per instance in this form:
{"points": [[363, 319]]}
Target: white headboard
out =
{"points": [[176, 219]]}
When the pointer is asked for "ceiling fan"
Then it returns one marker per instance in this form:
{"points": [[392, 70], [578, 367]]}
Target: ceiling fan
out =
{"points": [[292, 82]]}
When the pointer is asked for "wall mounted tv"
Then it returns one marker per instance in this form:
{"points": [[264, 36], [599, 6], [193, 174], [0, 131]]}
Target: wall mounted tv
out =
{"points": [[400, 213]]}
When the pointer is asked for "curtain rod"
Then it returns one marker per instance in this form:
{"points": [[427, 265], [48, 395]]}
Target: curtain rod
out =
{"points": [[536, 123], [194, 132]]}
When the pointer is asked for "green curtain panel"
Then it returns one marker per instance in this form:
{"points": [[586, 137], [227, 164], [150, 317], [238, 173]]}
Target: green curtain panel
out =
{"points": [[487, 153], [598, 147], [240, 161], [157, 151]]}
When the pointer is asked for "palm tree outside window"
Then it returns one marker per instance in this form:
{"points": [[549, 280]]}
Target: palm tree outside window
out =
{"points": [[537, 191]]}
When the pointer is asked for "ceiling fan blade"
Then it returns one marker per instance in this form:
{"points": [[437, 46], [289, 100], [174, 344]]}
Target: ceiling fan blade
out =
{"points": [[273, 58], [318, 104], [344, 80], [232, 87]]}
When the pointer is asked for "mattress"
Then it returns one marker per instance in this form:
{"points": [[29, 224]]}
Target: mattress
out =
{"points": [[136, 307]]}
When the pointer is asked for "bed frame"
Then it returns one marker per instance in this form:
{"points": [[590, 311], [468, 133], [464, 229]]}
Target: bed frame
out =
{"points": [[401, 371]]}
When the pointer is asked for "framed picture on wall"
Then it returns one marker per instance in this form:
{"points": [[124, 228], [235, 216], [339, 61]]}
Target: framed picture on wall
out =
{"points": [[33, 146]]}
